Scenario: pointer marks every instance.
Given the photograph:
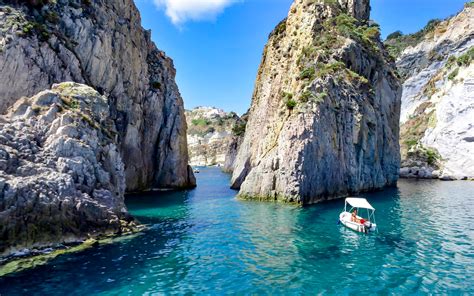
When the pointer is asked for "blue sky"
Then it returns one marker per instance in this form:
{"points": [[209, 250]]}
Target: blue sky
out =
{"points": [[217, 45]]}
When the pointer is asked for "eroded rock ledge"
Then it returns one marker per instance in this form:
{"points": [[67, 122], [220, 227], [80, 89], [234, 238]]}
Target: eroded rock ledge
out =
{"points": [[62, 177]]}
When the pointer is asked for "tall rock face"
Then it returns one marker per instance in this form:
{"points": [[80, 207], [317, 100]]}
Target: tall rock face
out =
{"points": [[233, 147], [210, 132], [101, 44], [437, 117], [62, 178], [324, 119]]}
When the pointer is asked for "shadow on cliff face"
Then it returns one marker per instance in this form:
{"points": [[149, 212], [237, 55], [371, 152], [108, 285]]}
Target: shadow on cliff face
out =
{"points": [[241, 177]]}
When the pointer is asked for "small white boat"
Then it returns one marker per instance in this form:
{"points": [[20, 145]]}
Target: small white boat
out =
{"points": [[358, 223]]}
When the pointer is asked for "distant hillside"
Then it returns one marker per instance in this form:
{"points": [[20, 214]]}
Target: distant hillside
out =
{"points": [[210, 132]]}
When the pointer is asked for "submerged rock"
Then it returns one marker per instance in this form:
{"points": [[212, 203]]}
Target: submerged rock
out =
{"points": [[62, 178], [437, 118], [101, 44], [324, 119]]}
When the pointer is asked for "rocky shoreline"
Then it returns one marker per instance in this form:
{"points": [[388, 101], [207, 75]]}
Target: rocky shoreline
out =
{"points": [[112, 122]]}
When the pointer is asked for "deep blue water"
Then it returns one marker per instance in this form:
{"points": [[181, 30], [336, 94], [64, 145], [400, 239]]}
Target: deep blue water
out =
{"points": [[206, 242]]}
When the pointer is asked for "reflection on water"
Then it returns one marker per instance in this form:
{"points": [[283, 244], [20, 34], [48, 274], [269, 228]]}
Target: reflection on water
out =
{"points": [[207, 242]]}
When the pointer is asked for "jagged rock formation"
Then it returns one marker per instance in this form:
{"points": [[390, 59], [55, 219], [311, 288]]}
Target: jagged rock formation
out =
{"points": [[437, 117], [210, 132], [234, 144], [325, 111], [101, 44], [62, 177]]}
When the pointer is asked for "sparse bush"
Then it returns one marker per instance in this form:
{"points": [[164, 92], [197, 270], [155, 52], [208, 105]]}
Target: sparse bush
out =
{"points": [[308, 73], [239, 128], [31, 28], [355, 77], [395, 35], [466, 59], [320, 97], [451, 61], [306, 96], [74, 104], [410, 143], [286, 95], [291, 104], [432, 156], [330, 69], [397, 43], [200, 122], [453, 74], [371, 33]]}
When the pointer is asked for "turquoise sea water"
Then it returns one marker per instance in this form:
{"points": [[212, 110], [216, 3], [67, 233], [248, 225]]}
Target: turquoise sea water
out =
{"points": [[206, 242]]}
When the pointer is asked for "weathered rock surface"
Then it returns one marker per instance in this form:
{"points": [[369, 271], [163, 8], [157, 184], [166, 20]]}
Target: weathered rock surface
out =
{"points": [[437, 117], [102, 44], [62, 178], [324, 119], [235, 142], [210, 132]]}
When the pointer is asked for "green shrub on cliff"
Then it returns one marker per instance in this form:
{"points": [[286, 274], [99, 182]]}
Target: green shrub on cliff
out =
{"points": [[308, 73], [291, 104], [397, 42], [466, 59], [306, 96], [453, 74], [394, 35], [35, 28], [200, 122], [332, 68], [239, 128], [432, 156], [350, 27]]}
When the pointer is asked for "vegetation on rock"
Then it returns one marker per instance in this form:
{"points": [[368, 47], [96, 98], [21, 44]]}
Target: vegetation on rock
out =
{"points": [[397, 42]]}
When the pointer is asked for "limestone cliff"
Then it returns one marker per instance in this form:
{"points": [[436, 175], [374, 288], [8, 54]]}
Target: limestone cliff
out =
{"points": [[235, 142], [62, 178], [210, 132], [324, 119], [437, 117], [101, 44]]}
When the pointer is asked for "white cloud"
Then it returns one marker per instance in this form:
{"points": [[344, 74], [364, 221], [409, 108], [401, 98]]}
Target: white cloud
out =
{"points": [[181, 11]]}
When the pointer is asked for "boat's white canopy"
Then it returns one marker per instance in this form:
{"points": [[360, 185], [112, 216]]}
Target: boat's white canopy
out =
{"points": [[359, 203]]}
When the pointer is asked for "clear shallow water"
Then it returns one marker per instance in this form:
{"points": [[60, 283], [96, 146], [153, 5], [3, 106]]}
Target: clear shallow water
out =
{"points": [[206, 242]]}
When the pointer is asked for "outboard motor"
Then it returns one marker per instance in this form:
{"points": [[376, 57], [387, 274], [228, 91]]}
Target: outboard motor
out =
{"points": [[367, 226]]}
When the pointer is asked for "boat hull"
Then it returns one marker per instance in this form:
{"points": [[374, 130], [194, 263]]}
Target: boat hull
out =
{"points": [[345, 219]]}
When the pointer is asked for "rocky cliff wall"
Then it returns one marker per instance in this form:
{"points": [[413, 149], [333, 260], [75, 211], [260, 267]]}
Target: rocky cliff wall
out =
{"points": [[62, 178], [324, 119], [101, 44], [437, 117]]}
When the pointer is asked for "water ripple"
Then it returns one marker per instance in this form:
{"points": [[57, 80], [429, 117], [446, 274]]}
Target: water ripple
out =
{"points": [[206, 242]]}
